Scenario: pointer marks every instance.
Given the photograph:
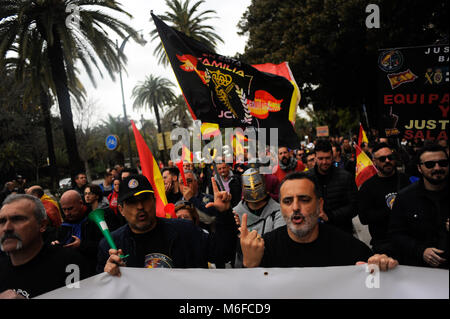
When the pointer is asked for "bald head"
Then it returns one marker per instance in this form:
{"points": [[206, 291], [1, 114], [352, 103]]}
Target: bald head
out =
{"points": [[35, 191], [72, 206], [70, 195]]}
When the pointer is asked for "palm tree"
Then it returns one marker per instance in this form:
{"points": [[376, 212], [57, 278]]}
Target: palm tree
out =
{"points": [[154, 92], [33, 77], [190, 21], [65, 44], [178, 112]]}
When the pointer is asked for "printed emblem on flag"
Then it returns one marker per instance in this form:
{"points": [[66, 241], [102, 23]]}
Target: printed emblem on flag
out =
{"points": [[263, 104], [397, 79]]}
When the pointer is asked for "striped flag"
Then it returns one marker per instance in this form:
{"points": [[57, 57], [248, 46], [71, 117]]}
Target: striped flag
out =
{"points": [[186, 155], [362, 136], [238, 144], [210, 130], [151, 170], [364, 165]]}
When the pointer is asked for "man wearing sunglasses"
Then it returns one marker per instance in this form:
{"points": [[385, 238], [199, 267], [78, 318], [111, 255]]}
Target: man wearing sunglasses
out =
{"points": [[419, 221], [376, 197], [153, 242]]}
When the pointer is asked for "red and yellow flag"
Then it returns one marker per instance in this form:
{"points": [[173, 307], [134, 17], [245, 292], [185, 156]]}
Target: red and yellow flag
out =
{"points": [[151, 170], [364, 167], [210, 130], [186, 155], [238, 144], [362, 136]]}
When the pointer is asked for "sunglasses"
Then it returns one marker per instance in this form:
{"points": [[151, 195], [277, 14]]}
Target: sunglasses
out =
{"points": [[383, 158], [431, 164]]}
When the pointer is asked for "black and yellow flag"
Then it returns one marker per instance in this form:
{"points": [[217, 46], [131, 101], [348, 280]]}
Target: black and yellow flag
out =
{"points": [[226, 91]]}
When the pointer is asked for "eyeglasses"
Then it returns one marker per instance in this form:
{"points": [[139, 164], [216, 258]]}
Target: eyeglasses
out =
{"points": [[383, 158], [67, 209], [431, 164]]}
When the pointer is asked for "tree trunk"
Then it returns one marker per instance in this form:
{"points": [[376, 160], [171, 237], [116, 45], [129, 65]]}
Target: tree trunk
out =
{"points": [[59, 75], [45, 106], [158, 123], [87, 170]]}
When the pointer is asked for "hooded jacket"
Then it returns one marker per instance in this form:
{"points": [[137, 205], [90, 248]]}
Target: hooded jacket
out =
{"points": [[269, 219]]}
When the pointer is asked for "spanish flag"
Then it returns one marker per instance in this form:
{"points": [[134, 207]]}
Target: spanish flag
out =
{"points": [[151, 170], [364, 165], [210, 130], [186, 155], [238, 144], [362, 136]]}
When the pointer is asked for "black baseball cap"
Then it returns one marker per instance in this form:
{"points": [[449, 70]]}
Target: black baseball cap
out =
{"points": [[133, 185]]}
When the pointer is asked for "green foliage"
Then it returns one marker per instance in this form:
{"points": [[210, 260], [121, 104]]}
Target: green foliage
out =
{"points": [[189, 20], [178, 114], [37, 31], [331, 52]]}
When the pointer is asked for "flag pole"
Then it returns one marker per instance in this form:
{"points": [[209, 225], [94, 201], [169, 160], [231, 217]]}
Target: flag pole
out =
{"points": [[216, 172]]}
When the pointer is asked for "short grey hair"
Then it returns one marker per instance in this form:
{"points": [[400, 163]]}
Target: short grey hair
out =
{"points": [[191, 172], [39, 210]]}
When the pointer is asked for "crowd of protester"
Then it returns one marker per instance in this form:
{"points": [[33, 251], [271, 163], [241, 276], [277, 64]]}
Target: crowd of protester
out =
{"points": [[232, 216]]}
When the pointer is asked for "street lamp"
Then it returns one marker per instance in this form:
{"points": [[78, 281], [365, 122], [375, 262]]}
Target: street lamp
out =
{"points": [[120, 50]]}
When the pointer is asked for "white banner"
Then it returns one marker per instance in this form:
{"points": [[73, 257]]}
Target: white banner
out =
{"points": [[349, 282]]}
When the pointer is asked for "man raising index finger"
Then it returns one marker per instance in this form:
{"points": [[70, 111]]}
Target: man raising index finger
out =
{"points": [[304, 242], [252, 245]]}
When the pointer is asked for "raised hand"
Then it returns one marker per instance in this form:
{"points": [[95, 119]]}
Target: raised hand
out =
{"points": [[186, 191], [236, 218], [222, 199], [76, 243], [252, 245]]}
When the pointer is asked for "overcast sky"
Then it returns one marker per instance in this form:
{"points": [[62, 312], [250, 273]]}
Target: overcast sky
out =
{"points": [[141, 61]]}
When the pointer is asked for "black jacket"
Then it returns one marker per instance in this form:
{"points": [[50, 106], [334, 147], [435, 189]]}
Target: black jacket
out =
{"points": [[375, 199], [418, 222], [338, 189], [189, 245], [90, 237]]}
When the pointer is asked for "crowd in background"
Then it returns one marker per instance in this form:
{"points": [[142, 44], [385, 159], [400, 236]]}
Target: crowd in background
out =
{"points": [[255, 198]]}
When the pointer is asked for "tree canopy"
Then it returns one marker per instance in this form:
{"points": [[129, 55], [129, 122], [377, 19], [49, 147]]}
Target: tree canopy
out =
{"points": [[330, 50]]}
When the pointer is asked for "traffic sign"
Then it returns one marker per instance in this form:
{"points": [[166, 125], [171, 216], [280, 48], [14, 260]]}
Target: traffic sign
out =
{"points": [[112, 141]]}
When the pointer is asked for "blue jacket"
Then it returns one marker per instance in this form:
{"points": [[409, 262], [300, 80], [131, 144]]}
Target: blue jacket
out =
{"points": [[189, 245]]}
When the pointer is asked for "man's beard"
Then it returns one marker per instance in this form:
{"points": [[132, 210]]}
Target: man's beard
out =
{"points": [[12, 236], [308, 225], [386, 172], [433, 181]]}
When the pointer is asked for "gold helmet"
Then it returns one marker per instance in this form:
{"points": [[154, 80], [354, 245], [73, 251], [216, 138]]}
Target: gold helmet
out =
{"points": [[253, 185]]}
